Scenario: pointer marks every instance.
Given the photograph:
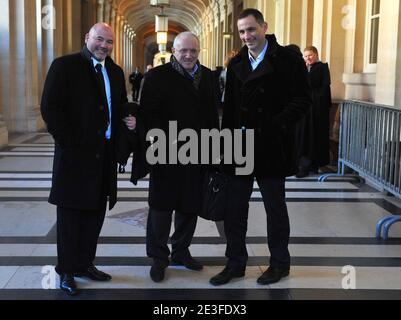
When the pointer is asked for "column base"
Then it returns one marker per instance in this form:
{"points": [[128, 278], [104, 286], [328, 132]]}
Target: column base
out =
{"points": [[3, 133]]}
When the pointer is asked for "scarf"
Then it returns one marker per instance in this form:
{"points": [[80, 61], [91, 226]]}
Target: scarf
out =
{"points": [[197, 76]]}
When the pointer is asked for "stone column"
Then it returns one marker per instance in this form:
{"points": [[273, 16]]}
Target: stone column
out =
{"points": [[113, 25], [4, 73], [219, 43], [335, 45], [100, 10], [24, 113], [388, 75], [46, 49], [107, 11], [3, 133], [294, 22], [117, 35]]}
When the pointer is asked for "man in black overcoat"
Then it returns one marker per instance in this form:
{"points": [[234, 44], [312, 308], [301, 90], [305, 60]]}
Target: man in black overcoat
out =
{"points": [[135, 80], [316, 141], [266, 91], [181, 91], [81, 105]]}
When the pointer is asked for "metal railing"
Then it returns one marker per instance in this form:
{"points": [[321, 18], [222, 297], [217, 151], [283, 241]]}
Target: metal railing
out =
{"points": [[370, 144]]}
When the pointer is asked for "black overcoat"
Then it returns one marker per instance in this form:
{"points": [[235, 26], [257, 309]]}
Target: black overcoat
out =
{"points": [[270, 100], [73, 111], [169, 96], [319, 78]]}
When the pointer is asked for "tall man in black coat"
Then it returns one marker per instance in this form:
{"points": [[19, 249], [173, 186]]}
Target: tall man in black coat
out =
{"points": [[180, 91], [81, 105], [266, 91]]}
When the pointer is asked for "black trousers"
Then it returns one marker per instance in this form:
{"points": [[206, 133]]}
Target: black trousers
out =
{"points": [[158, 231], [78, 230], [236, 222]]}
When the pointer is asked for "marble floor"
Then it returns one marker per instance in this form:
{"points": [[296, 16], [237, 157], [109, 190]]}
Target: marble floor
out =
{"points": [[335, 254]]}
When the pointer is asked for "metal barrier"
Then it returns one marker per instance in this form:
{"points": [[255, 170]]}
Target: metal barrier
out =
{"points": [[370, 143]]}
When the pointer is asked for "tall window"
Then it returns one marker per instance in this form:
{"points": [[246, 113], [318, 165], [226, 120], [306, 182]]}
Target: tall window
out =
{"points": [[373, 20]]}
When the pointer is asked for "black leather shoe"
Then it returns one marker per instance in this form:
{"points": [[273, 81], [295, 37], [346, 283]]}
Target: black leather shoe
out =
{"points": [[225, 276], [67, 284], [273, 275], [157, 273], [94, 274], [188, 262]]}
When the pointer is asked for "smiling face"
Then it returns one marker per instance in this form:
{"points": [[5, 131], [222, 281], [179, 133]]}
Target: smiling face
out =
{"points": [[186, 51], [100, 41], [252, 33]]}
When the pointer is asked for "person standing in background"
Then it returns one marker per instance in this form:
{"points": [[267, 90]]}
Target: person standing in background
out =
{"points": [[316, 134]]}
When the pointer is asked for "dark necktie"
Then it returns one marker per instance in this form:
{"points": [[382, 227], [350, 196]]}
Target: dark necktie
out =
{"points": [[102, 89]]}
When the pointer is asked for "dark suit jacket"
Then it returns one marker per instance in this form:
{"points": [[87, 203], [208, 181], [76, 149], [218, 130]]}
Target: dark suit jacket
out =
{"points": [[169, 96], [73, 110], [271, 100]]}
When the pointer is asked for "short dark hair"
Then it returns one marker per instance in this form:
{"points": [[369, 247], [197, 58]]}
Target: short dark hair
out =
{"points": [[252, 12]]}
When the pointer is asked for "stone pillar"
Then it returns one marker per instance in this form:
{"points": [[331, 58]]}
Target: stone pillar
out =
{"points": [[4, 72], [336, 46], [59, 50], [319, 27], [46, 47], [3, 133], [117, 34], [219, 42], [24, 115], [279, 18], [100, 10], [294, 22], [107, 11], [388, 75], [113, 25]]}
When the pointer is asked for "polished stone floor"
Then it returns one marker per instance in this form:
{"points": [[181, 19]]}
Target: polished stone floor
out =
{"points": [[332, 239]]}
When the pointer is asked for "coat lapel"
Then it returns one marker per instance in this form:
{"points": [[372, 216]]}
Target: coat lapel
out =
{"points": [[243, 69]]}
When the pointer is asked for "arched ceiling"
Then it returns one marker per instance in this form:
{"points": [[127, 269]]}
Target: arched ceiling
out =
{"points": [[140, 14]]}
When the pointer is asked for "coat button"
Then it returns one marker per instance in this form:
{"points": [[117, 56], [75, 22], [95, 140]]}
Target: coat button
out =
{"points": [[99, 132], [260, 110], [101, 108], [262, 90], [259, 130], [97, 156], [244, 109]]}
